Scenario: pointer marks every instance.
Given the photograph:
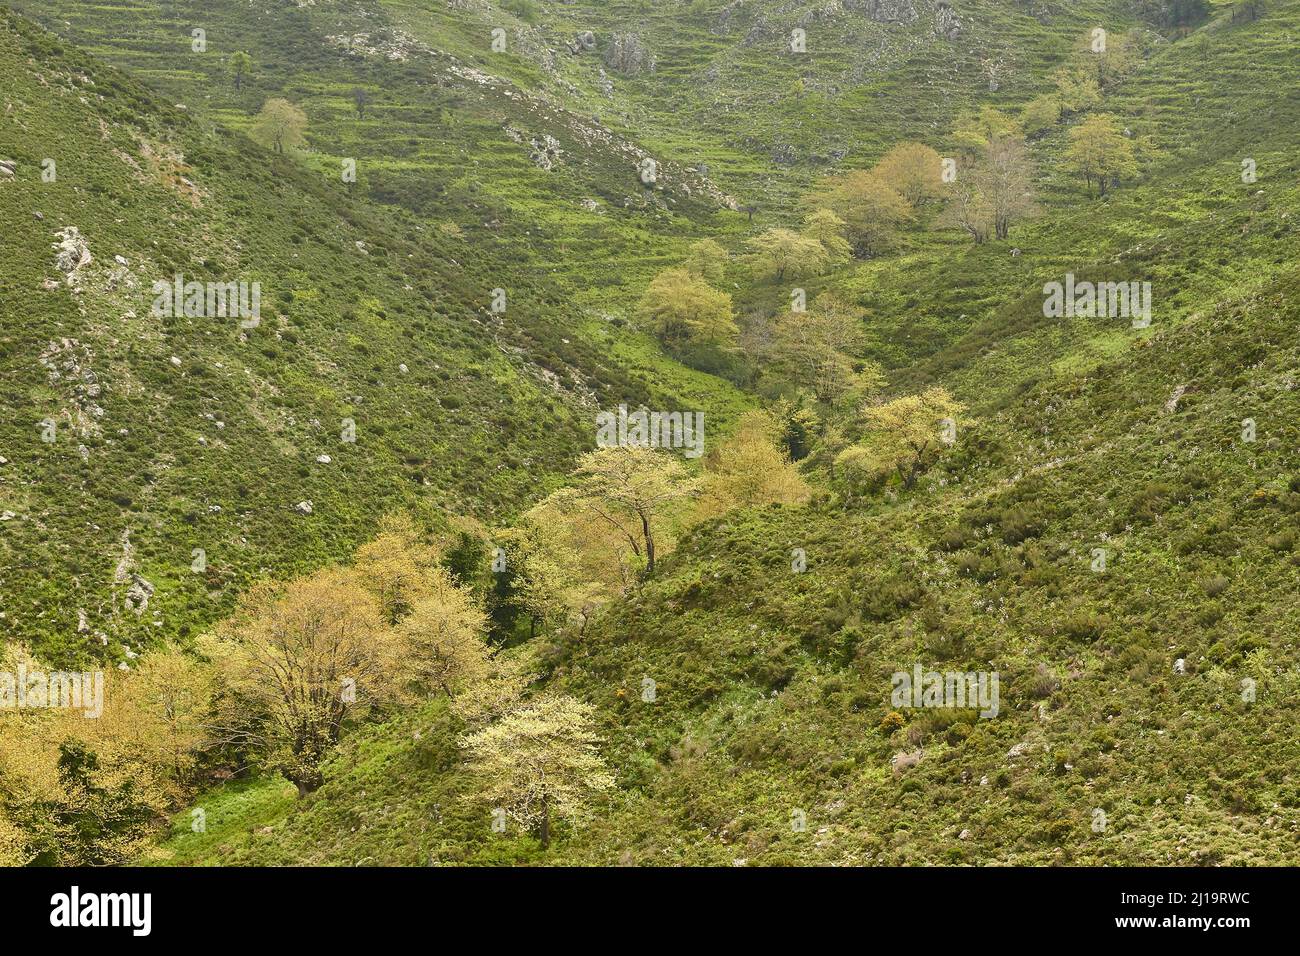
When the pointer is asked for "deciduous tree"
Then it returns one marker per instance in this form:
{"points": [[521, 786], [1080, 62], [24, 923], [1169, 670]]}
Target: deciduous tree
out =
{"points": [[906, 434], [539, 763], [295, 660], [1099, 151], [684, 310], [280, 124]]}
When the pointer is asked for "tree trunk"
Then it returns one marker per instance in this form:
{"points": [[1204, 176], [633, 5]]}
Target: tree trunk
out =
{"points": [[546, 824], [649, 545]]}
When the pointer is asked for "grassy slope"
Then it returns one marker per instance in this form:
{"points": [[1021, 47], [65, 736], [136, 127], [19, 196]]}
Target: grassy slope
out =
{"points": [[338, 321], [772, 685]]}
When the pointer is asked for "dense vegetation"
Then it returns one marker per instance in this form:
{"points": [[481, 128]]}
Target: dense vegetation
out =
{"points": [[839, 255]]}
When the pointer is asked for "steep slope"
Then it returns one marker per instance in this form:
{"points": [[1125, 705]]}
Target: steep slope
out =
{"points": [[1146, 702], [171, 433]]}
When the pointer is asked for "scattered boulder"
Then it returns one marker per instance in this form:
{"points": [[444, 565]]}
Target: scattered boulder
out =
{"points": [[905, 760], [304, 507], [1019, 750], [1175, 397], [586, 40], [8, 168], [885, 11], [1180, 666]]}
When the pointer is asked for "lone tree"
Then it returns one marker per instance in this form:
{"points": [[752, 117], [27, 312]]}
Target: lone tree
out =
{"points": [[1100, 152], [360, 100], [631, 489], [280, 124], [906, 435], [540, 762], [241, 64]]}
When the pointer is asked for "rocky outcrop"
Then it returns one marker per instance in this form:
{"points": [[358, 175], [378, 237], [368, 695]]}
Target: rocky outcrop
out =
{"points": [[72, 254], [582, 42], [946, 22], [628, 54], [546, 152]]}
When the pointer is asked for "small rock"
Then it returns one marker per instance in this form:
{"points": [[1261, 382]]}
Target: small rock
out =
{"points": [[176, 361], [323, 459], [1180, 666], [964, 835], [303, 507]]}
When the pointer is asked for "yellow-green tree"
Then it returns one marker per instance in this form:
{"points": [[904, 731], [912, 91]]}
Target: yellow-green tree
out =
{"points": [[820, 350], [829, 229], [280, 124], [871, 208], [634, 491], [169, 697], [907, 435], [83, 792], [539, 763], [295, 660], [779, 254], [684, 310], [972, 131], [557, 565], [749, 470], [241, 64], [1076, 88], [914, 170], [1041, 114], [396, 565], [707, 260], [1099, 151], [441, 642]]}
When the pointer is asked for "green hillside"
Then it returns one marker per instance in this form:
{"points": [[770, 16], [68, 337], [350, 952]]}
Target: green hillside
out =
{"points": [[174, 434], [1113, 532]]}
